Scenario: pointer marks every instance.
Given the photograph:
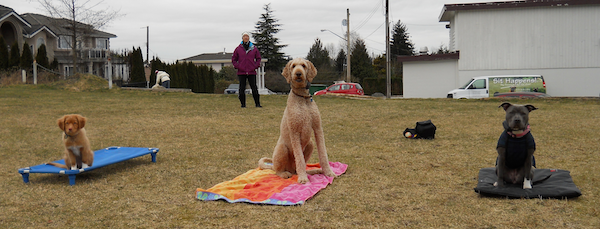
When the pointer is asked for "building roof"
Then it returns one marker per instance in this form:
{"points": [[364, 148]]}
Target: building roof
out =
{"points": [[35, 23], [56, 26], [450, 9], [434, 57], [6, 12], [213, 58]]}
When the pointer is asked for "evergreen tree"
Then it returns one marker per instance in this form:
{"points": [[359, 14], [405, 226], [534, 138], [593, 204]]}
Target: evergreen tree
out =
{"points": [[137, 66], [339, 62], [442, 50], [400, 43], [209, 79], [379, 65], [266, 42], [4, 57], [15, 55], [228, 73], [54, 64], [194, 79], [318, 55], [26, 61], [360, 62], [42, 57]]}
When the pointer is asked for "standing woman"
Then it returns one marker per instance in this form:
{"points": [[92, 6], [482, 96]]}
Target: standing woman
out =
{"points": [[246, 59]]}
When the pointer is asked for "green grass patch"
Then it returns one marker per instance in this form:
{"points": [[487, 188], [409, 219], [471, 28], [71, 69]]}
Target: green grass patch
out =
{"points": [[205, 139]]}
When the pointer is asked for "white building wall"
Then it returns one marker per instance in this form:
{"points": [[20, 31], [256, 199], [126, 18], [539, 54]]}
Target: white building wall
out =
{"points": [[529, 38], [560, 43], [429, 79]]}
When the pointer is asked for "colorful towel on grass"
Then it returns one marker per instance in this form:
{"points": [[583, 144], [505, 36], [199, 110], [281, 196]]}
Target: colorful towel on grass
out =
{"points": [[260, 186]]}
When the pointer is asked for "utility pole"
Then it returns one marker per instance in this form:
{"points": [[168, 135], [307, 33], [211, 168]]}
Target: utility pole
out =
{"points": [[348, 79], [387, 50], [147, 44]]}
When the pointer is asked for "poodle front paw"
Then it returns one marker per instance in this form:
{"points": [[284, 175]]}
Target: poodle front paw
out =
{"points": [[329, 173], [303, 179], [284, 174]]}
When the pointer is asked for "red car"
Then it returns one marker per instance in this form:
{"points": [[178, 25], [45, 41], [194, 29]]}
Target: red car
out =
{"points": [[343, 88]]}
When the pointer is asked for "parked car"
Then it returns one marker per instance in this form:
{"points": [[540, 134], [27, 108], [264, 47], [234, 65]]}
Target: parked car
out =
{"points": [[232, 88], [343, 88], [521, 95]]}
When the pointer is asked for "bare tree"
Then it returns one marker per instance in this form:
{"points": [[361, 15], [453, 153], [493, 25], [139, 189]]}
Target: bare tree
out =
{"points": [[79, 18]]}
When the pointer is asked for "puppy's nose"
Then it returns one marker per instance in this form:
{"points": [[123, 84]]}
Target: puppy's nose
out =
{"points": [[299, 74]]}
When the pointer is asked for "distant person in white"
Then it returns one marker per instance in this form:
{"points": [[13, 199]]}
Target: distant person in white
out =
{"points": [[163, 78]]}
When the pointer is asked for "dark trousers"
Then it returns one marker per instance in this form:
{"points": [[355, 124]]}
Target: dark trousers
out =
{"points": [[166, 84], [242, 91]]}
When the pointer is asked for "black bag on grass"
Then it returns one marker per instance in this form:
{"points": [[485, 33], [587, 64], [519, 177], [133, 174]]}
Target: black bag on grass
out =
{"points": [[424, 129]]}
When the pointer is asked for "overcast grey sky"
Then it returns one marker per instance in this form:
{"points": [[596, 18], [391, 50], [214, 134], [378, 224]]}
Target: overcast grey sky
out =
{"points": [[184, 28]]}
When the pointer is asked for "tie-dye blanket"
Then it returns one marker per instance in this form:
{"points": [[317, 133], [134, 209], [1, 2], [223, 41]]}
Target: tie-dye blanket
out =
{"points": [[260, 186]]}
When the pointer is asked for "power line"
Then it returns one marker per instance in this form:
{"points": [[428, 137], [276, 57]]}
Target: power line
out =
{"points": [[361, 24]]}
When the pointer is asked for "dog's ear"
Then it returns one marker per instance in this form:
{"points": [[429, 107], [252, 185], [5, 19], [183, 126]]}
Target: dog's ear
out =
{"points": [[530, 107], [505, 105], [311, 71], [81, 121], [287, 71], [61, 122]]}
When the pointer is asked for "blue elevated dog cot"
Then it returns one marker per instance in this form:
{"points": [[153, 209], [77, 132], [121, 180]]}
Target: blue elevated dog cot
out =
{"points": [[102, 158]]}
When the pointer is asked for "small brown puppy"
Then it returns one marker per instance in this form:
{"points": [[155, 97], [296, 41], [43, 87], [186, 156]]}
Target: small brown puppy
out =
{"points": [[300, 119], [78, 153]]}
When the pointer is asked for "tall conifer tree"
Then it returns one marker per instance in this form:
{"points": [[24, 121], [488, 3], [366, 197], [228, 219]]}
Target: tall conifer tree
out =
{"points": [[266, 42]]}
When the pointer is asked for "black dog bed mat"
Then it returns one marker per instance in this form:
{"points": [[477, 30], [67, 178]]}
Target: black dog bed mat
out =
{"points": [[547, 183]]}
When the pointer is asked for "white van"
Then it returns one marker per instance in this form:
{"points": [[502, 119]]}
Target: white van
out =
{"points": [[488, 86]]}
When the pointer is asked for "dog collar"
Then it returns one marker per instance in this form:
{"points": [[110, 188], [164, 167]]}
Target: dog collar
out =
{"points": [[303, 96], [520, 135], [68, 136]]}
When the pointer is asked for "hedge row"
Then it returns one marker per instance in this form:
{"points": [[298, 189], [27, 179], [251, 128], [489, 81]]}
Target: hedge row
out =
{"points": [[374, 85]]}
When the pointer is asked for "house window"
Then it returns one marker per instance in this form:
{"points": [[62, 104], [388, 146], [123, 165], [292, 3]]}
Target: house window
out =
{"points": [[64, 42], [40, 42], [102, 43], [68, 70]]}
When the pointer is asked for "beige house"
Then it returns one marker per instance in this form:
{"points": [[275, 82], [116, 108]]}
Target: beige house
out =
{"points": [[93, 49]]}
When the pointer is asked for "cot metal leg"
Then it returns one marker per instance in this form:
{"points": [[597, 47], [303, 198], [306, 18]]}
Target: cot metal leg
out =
{"points": [[153, 157], [71, 179], [25, 177]]}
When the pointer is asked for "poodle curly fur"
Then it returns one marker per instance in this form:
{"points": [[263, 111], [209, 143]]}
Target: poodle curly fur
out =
{"points": [[300, 119]]}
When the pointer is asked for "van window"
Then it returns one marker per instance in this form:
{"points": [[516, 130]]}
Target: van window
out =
{"points": [[478, 84], [467, 84]]}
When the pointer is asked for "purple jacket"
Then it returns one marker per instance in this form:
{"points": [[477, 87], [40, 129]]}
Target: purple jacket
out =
{"points": [[246, 62]]}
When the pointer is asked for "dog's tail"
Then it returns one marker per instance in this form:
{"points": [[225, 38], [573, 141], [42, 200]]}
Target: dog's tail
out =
{"points": [[57, 165], [265, 163]]}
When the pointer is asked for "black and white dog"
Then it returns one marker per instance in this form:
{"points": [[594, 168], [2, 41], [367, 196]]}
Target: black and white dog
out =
{"points": [[515, 147]]}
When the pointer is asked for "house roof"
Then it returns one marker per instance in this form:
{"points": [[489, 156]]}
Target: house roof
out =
{"points": [[6, 12], [450, 9], [434, 57], [213, 58], [56, 27]]}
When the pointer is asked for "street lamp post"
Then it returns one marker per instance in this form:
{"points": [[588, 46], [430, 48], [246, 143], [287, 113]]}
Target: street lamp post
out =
{"points": [[347, 53], [323, 30]]}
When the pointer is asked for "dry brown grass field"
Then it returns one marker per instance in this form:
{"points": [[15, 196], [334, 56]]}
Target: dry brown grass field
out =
{"points": [[205, 139]]}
